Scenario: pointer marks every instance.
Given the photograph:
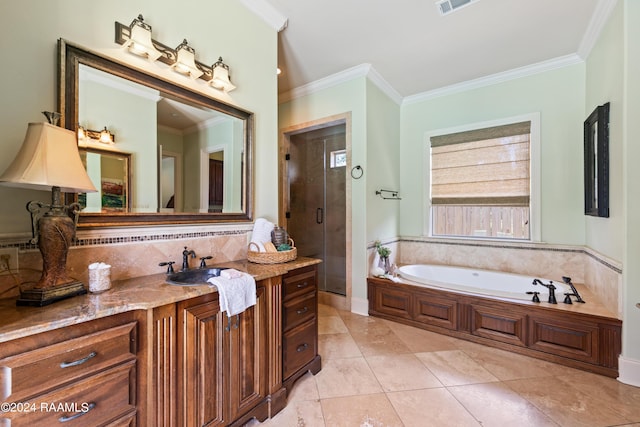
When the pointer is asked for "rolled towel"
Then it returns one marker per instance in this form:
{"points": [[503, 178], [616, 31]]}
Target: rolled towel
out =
{"points": [[261, 233]]}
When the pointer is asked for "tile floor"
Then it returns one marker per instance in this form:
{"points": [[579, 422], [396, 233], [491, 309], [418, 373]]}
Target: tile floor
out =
{"points": [[378, 373]]}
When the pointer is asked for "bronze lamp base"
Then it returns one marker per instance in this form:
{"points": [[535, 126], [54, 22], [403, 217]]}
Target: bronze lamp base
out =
{"points": [[40, 297], [56, 231]]}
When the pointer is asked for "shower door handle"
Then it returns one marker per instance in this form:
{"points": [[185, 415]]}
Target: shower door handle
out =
{"points": [[319, 216]]}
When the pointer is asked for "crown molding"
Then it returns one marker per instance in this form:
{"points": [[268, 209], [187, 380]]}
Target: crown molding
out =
{"points": [[384, 86], [362, 70], [367, 70], [600, 16], [516, 73], [326, 82], [268, 13]]}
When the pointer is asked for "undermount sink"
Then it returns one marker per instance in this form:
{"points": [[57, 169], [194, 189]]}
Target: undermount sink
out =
{"points": [[193, 277]]}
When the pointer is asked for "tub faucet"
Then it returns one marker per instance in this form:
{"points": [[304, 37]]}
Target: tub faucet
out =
{"points": [[551, 287], [574, 292], [185, 257]]}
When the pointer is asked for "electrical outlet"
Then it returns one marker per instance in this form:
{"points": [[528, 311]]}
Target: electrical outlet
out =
{"points": [[12, 254]]}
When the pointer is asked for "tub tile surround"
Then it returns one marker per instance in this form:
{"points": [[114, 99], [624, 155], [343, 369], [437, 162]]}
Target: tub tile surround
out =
{"points": [[600, 275]]}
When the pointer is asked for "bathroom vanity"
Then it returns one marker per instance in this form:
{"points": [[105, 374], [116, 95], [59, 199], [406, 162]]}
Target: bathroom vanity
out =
{"points": [[148, 353]]}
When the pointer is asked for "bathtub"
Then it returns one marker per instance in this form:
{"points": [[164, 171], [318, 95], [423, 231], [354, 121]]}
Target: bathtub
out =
{"points": [[493, 308], [482, 282]]}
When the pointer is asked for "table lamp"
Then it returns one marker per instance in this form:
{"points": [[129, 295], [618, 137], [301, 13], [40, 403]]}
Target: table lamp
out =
{"points": [[49, 160]]}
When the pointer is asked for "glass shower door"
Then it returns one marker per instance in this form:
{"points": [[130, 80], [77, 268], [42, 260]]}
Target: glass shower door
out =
{"points": [[317, 200]]}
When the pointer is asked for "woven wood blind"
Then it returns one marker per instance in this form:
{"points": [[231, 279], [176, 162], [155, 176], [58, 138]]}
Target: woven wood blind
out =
{"points": [[482, 167]]}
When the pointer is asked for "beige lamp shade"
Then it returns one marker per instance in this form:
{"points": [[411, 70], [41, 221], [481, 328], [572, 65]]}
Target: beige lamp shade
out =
{"points": [[186, 61], [48, 157], [140, 41], [221, 79]]}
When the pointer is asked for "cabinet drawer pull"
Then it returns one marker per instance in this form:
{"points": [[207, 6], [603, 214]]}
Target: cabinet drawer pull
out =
{"points": [[65, 418], [302, 311], [302, 285], [79, 361], [302, 347]]}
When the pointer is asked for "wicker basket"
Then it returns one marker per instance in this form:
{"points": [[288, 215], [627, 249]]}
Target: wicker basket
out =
{"points": [[271, 257]]}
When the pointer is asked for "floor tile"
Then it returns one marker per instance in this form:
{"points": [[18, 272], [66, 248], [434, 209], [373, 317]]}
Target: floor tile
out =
{"points": [[358, 323], [401, 372], [419, 340], [325, 310], [373, 410], [346, 377], [566, 405], [506, 365], [454, 367], [304, 389], [622, 398], [331, 325], [379, 340], [434, 407], [296, 414], [494, 404], [336, 346], [379, 373]]}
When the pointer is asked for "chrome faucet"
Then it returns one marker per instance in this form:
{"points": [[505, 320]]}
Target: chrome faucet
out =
{"points": [[574, 292], [185, 257], [551, 287]]}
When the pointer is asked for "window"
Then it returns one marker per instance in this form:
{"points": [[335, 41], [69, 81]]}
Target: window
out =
{"points": [[480, 182], [338, 158]]}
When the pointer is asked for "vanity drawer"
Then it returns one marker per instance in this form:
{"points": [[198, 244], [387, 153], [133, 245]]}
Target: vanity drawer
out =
{"points": [[299, 310], [299, 282], [106, 398], [37, 371], [299, 347]]}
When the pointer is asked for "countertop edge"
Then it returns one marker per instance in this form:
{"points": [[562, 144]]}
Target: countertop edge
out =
{"points": [[134, 294]]}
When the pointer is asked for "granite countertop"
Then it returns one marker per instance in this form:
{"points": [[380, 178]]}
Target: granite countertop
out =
{"points": [[138, 293]]}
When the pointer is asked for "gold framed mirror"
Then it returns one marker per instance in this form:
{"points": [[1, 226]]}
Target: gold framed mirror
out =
{"points": [[154, 119]]}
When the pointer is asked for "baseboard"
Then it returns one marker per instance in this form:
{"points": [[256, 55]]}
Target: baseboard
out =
{"points": [[629, 371], [360, 306]]}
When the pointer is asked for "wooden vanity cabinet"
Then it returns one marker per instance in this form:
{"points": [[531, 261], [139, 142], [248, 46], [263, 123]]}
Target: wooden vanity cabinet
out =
{"points": [[299, 324], [78, 375], [210, 369]]}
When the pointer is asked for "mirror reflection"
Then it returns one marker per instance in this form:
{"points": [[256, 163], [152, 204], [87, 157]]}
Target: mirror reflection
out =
{"points": [[161, 133], [188, 154], [109, 173]]}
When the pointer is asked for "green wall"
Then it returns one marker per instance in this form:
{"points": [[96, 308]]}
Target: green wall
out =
{"points": [[631, 177], [558, 96], [605, 71], [383, 160]]}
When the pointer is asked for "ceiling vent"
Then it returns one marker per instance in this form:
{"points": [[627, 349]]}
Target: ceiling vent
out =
{"points": [[446, 7]]}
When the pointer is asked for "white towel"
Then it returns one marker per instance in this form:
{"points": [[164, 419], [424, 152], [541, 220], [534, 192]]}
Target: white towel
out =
{"points": [[261, 233], [236, 294]]}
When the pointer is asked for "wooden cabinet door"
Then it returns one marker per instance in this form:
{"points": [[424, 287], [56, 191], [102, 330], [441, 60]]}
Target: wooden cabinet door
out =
{"points": [[163, 391], [248, 357], [202, 350]]}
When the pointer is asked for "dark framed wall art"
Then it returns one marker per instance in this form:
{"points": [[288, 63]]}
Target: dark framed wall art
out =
{"points": [[596, 162]]}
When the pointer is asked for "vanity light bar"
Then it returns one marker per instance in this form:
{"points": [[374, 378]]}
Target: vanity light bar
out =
{"points": [[104, 135], [173, 57]]}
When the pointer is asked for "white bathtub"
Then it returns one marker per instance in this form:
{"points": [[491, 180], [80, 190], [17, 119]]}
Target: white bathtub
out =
{"points": [[483, 282]]}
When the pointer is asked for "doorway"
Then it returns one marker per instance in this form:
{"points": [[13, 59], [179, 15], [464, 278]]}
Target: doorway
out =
{"points": [[317, 201]]}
